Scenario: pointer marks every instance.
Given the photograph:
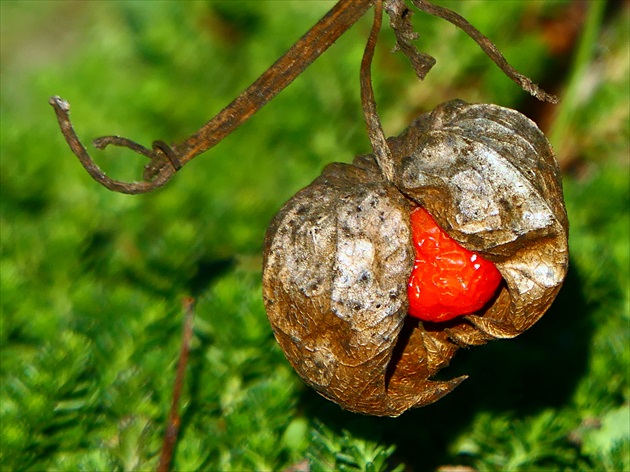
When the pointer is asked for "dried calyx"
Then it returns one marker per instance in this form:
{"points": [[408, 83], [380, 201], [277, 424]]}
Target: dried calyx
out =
{"points": [[339, 254]]}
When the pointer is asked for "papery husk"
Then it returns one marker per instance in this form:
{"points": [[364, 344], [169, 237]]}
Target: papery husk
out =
{"points": [[339, 254], [489, 177]]}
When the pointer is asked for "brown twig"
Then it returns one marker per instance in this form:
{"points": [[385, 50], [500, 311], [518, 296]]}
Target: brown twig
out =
{"points": [[165, 160], [487, 46], [172, 427], [375, 130], [62, 110]]}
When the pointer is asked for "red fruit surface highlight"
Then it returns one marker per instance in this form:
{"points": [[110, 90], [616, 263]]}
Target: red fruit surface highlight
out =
{"points": [[447, 280]]}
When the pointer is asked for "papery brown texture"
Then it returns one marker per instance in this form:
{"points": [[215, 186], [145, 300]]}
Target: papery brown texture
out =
{"points": [[489, 177], [339, 254]]}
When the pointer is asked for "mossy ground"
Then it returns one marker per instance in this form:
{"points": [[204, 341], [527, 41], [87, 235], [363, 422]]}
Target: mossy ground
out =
{"points": [[92, 281]]}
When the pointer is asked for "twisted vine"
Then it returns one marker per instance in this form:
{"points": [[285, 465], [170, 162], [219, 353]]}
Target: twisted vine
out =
{"points": [[165, 160]]}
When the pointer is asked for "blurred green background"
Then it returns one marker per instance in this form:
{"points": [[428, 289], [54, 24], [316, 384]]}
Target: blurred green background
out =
{"points": [[92, 281]]}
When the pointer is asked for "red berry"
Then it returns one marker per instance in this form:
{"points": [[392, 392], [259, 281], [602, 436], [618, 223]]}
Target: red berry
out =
{"points": [[447, 280]]}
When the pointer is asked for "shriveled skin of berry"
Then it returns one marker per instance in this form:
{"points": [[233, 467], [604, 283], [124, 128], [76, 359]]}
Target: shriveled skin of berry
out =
{"points": [[447, 280]]}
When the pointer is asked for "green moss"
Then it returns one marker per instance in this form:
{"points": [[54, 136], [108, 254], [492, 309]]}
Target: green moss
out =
{"points": [[92, 281]]}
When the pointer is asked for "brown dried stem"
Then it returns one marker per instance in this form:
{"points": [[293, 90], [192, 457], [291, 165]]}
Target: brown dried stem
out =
{"points": [[487, 46], [375, 130], [62, 109], [165, 160], [174, 420]]}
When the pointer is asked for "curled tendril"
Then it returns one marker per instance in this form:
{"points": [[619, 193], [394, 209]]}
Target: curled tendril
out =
{"points": [[157, 171]]}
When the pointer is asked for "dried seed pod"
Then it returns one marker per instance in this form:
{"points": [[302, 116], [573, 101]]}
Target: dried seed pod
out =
{"points": [[339, 254]]}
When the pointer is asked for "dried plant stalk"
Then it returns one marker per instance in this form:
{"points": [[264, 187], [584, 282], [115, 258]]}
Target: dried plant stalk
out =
{"points": [[166, 159]]}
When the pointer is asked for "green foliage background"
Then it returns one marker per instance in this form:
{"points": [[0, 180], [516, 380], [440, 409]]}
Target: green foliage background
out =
{"points": [[92, 281]]}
